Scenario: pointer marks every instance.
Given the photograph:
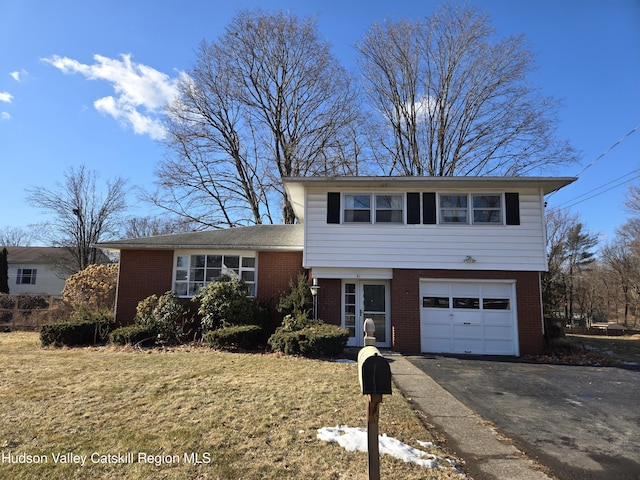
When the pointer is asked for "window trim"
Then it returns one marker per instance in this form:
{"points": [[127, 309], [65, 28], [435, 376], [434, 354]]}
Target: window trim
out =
{"points": [[471, 209], [373, 208], [21, 276], [242, 269]]}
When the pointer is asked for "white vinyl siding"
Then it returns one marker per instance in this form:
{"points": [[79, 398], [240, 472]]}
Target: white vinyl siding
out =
{"points": [[397, 245]]}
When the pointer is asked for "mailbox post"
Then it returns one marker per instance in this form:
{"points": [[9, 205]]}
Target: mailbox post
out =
{"points": [[374, 375]]}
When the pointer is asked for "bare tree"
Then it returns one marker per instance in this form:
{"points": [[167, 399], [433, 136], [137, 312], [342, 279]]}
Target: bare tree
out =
{"points": [[622, 257], [81, 214], [15, 237], [454, 100], [570, 250], [137, 227], [267, 100]]}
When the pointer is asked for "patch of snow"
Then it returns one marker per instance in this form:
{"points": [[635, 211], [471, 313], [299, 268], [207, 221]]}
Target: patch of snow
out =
{"points": [[573, 402], [425, 444], [355, 440], [345, 360]]}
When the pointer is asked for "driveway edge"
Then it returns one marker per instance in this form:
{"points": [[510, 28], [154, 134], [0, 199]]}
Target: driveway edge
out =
{"points": [[487, 455]]}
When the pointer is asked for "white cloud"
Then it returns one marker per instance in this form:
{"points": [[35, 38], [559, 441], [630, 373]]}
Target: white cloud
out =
{"points": [[140, 91], [4, 116], [6, 97], [18, 75]]}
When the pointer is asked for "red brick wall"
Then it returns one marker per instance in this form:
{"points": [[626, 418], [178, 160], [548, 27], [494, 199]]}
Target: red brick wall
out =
{"points": [[145, 272], [275, 271], [142, 273], [405, 306], [330, 300]]}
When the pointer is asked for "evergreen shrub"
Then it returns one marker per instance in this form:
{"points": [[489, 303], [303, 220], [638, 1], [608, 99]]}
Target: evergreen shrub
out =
{"points": [[84, 328], [239, 337]]}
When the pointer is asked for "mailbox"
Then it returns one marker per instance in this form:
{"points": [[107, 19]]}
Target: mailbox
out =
{"points": [[374, 372]]}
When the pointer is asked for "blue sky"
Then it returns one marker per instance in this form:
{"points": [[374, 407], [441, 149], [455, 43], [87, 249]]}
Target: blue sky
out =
{"points": [[82, 82]]}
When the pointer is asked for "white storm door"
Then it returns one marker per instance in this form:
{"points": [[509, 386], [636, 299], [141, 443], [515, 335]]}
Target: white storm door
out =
{"points": [[366, 299]]}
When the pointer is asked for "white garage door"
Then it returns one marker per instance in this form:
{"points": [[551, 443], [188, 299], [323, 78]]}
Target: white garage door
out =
{"points": [[468, 317]]}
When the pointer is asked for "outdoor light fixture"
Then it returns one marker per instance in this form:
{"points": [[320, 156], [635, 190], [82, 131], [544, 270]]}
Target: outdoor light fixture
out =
{"points": [[314, 293], [469, 259]]}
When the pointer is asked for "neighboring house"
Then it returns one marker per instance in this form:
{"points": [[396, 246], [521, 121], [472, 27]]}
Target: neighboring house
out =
{"points": [[36, 270], [441, 264]]}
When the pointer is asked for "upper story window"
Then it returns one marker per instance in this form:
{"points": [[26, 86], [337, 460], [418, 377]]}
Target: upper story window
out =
{"points": [[381, 208], [357, 208], [389, 208], [193, 272], [454, 209], [26, 276], [427, 208], [487, 208], [474, 208]]}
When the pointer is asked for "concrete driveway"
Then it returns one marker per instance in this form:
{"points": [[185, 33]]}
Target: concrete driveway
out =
{"points": [[581, 422]]}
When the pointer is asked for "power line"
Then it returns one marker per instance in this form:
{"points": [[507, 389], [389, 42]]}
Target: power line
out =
{"points": [[592, 194], [610, 148], [606, 152]]}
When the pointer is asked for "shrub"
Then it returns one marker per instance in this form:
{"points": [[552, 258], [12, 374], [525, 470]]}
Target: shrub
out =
{"points": [[92, 288], [134, 335], [84, 328], [313, 339], [165, 315], [239, 337], [299, 300], [225, 303]]}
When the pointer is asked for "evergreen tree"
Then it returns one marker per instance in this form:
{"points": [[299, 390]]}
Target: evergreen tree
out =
{"points": [[4, 271]]}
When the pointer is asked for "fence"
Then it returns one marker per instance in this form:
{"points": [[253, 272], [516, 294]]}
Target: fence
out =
{"points": [[28, 312]]}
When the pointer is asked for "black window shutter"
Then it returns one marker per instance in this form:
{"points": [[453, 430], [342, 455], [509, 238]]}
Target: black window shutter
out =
{"points": [[33, 276], [413, 208], [429, 208], [333, 207], [512, 208], [19, 276]]}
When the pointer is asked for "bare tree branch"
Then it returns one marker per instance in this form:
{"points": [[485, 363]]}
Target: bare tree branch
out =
{"points": [[452, 100], [81, 214], [266, 101]]}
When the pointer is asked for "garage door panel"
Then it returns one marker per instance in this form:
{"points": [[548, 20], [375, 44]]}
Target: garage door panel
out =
{"points": [[497, 333], [466, 345], [436, 345], [480, 318], [503, 320], [438, 331], [468, 331], [495, 347]]}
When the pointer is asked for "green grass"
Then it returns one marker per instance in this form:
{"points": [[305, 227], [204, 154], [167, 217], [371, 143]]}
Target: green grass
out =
{"points": [[247, 416]]}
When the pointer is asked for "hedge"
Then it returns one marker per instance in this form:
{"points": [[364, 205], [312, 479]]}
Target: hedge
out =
{"points": [[243, 337], [134, 335], [75, 333], [320, 340]]}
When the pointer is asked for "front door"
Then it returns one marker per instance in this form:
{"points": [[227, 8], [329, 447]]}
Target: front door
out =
{"points": [[366, 299]]}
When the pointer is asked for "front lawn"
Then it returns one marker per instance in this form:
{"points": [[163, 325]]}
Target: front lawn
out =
{"points": [[621, 349], [131, 414]]}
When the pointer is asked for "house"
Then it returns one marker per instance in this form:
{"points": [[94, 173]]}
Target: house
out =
{"points": [[441, 264], [266, 257], [36, 270]]}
